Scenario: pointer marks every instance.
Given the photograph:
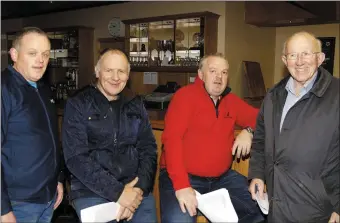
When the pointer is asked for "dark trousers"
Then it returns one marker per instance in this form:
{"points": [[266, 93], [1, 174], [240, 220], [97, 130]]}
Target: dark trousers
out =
{"points": [[236, 184]]}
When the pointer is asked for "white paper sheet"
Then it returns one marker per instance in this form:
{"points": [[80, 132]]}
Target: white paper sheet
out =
{"points": [[217, 206], [100, 213], [263, 203]]}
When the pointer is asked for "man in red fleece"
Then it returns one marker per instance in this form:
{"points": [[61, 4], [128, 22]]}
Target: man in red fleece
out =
{"points": [[199, 145]]}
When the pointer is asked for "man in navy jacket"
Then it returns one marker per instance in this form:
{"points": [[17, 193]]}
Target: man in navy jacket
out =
{"points": [[29, 138], [108, 144]]}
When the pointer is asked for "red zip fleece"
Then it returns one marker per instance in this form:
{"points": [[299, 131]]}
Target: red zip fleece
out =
{"points": [[197, 137]]}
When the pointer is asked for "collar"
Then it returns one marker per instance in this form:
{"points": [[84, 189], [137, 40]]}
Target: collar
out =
{"points": [[200, 83], [306, 87], [17, 75], [125, 96], [21, 79], [321, 83]]}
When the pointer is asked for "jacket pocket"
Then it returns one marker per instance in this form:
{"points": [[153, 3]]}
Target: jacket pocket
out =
{"points": [[309, 191], [99, 127], [132, 127], [305, 213]]}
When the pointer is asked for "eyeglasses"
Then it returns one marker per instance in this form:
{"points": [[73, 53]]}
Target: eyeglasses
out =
{"points": [[303, 55]]}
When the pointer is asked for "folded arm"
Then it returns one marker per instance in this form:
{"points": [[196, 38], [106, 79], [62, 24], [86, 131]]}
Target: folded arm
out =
{"points": [[245, 114], [245, 117]]}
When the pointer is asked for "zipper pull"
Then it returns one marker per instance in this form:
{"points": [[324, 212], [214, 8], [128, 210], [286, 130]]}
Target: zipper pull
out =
{"points": [[115, 139]]}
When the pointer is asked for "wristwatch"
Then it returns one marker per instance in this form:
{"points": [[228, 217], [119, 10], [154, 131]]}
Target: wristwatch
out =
{"points": [[250, 130]]}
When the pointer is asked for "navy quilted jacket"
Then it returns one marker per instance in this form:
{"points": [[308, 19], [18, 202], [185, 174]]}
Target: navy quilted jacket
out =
{"points": [[104, 153]]}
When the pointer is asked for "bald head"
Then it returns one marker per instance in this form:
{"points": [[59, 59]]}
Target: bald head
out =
{"points": [[315, 43], [107, 52]]}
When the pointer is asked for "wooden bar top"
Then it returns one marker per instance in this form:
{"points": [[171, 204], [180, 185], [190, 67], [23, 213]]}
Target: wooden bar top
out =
{"points": [[157, 124]]}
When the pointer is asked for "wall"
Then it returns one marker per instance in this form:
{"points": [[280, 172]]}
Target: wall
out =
{"points": [[249, 43], [282, 33]]}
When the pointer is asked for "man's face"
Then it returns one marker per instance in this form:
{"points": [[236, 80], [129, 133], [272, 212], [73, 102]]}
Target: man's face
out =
{"points": [[214, 75], [302, 58], [31, 58], [112, 75]]}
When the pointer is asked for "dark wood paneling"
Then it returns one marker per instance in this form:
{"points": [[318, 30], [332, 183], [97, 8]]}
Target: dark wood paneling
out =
{"points": [[170, 17], [86, 57], [169, 69], [279, 14], [210, 35]]}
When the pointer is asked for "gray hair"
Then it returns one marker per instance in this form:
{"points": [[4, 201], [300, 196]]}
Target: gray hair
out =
{"points": [[205, 58]]}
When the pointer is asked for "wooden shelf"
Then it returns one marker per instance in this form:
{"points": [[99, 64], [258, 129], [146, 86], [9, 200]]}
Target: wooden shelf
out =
{"points": [[206, 26], [170, 69]]}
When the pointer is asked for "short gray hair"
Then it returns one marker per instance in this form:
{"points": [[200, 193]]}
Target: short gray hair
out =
{"points": [[205, 58]]}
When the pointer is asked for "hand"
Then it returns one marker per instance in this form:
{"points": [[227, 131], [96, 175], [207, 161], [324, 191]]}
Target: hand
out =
{"points": [[138, 190], [260, 187], [124, 213], [8, 218], [334, 218], [135, 188], [131, 197], [242, 143], [60, 195], [187, 199]]}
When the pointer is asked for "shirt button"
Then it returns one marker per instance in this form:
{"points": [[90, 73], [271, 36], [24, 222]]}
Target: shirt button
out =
{"points": [[276, 163]]}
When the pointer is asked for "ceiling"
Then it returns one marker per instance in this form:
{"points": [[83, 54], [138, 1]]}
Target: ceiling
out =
{"points": [[258, 13], [20, 9], [290, 13]]}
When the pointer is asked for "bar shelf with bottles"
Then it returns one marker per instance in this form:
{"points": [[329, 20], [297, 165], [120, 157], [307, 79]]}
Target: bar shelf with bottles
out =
{"points": [[63, 65], [170, 43]]}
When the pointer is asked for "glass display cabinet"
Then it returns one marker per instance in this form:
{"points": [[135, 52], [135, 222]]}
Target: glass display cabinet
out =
{"points": [[173, 42], [64, 49]]}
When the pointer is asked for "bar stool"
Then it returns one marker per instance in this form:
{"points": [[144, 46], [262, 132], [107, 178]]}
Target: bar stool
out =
{"points": [[201, 218]]}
